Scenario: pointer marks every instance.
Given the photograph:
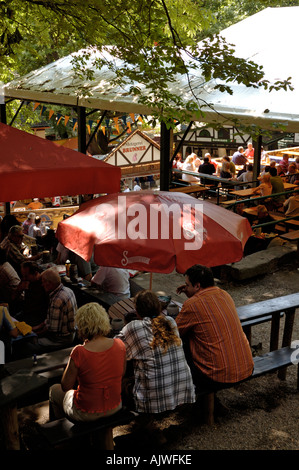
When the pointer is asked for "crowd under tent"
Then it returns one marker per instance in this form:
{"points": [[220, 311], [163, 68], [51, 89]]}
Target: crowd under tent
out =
{"points": [[263, 38]]}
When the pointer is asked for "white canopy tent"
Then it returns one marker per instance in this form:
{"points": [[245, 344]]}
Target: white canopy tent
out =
{"points": [[265, 38]]}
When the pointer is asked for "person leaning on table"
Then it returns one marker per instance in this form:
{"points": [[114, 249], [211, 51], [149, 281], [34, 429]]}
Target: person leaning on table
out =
{"points": [[12, 244], [162, 378], [217, 349], [97, 366]]}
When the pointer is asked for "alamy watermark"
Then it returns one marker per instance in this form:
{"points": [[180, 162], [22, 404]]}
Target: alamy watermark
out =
{"points": [[156, 221]]}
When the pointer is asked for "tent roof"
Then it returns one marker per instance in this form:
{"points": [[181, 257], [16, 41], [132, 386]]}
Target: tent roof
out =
{"points": [[264, 38], [34, 167]]}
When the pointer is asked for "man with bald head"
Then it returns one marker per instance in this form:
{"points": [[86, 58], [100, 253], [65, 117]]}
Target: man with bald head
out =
{"points": [[58, 329]]}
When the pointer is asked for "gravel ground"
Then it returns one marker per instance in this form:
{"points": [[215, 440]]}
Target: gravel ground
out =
{"points": [[262, 414]]}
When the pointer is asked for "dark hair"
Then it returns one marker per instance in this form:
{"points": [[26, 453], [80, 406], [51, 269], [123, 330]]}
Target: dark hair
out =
{"points": [[273, 171], [3, 257], [200, 274], [250, 167], [267, 168], [206, 160], [37, 220], [147, 304], [32, 267]]}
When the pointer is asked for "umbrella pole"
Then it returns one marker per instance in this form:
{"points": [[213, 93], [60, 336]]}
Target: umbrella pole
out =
{"points": [[151, 281]]}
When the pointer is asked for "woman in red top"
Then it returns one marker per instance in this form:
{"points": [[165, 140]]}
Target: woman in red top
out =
{"points": [[96, 367]]}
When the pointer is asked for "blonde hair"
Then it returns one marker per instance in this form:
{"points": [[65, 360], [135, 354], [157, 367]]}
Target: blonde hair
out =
{"points": [[189, 159], [92, 320], [266, 177]]}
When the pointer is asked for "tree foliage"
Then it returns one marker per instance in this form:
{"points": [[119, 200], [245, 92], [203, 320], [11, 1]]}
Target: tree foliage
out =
{"points": [[156, 41]]}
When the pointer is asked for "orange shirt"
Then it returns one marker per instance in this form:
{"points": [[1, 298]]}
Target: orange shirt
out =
{"points": [[35, 205], [99, 377], [218, 344]]}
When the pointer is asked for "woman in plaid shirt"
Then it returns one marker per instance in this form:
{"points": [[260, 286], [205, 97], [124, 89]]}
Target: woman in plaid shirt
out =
{"points": [[162, 378]]}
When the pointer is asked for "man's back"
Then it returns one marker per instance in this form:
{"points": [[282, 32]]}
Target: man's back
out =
{"points": [[277, 187], [239, 159], [35, 303], [206, 168], [218, 345], [61, 311]]}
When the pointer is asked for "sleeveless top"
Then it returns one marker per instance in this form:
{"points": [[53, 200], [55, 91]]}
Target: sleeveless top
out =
{"points": [[99, 377]]}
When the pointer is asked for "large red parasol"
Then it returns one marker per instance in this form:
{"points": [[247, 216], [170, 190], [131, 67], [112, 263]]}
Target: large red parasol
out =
{"points": [[34, 167], [155, 232]]}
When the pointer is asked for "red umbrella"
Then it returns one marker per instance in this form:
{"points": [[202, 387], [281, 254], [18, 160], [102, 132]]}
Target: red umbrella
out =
{"points": [[155, 232], [34, 167]]}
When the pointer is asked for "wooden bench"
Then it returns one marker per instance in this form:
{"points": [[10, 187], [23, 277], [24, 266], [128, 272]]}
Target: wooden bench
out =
{"points": [[14, 388], [61, 431], [272, 309], [276, 359], [266, 364], [292, 236]]}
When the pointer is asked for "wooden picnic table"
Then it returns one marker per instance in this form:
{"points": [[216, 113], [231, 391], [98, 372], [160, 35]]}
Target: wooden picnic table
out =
{"points": [[292, 236], [244, 193], [196, 188], [286, 304], [45, 362]]}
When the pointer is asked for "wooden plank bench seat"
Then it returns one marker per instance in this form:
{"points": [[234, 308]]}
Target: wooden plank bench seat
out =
{"points": [[60, 431], [268, 363], [274, 308]]}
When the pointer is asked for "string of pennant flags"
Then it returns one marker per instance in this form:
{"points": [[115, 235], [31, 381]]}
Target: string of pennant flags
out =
{"points": [[65, 119]]}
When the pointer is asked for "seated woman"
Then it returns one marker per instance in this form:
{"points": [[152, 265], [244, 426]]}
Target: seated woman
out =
{"points": [[265, 188], [188, 165], [97, 366], [162, 377]]}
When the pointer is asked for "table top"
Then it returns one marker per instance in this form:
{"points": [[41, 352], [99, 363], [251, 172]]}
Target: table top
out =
{"points": [[270, 306], [250, 191], [291, 235], [45, 362]]}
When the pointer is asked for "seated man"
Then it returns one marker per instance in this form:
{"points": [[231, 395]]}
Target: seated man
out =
{"points": [[36, 230], [207, 168], [35, 304], [58, 330], [263, 217], [12, 244], [10, 283], [277, 187], [239, 157], [8, 330], [35, 204], [292, 176], [291, 206], [29, 221], [113, 280], [219, 350]]}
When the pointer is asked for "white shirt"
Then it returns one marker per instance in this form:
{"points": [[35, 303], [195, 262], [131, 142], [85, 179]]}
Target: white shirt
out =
{"points": [[137, 187], [34, 231], [113, 280]]}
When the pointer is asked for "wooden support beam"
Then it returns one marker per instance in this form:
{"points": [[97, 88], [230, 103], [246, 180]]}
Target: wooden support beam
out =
{"points": [[165, 160]]}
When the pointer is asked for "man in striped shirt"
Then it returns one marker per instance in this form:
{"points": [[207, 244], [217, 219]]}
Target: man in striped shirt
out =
{"points": [[209, 324]]}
